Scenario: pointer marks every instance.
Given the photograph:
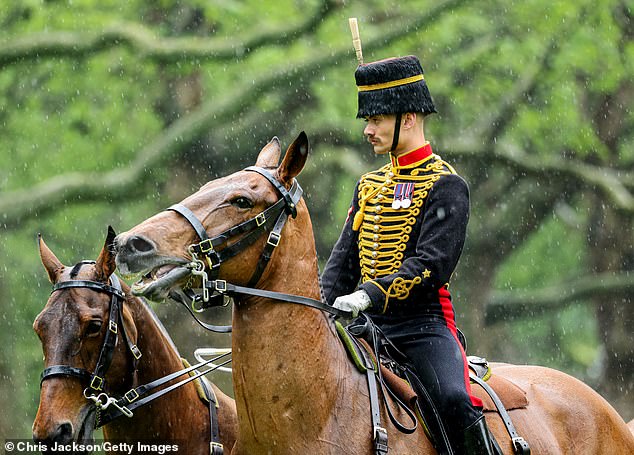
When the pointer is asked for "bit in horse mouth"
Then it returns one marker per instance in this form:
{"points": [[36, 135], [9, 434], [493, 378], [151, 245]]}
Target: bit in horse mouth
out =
{"points": [[158, 281]]}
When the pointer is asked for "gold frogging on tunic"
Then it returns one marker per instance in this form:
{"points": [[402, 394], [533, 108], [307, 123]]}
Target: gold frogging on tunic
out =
{"points": [[385, 231]]}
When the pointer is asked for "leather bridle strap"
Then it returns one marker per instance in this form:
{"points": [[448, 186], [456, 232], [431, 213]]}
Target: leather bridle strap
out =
{"points": [[271, 220], [135, 398], [230, 290], [64, 370], [192, 219], [110, 339]]}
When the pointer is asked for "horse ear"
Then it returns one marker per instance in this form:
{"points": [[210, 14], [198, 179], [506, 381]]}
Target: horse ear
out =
{"points": [[270, 155], [53, 266], [106, 261], [294, 160]]}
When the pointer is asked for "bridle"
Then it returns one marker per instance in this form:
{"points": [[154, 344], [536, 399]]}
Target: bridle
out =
{"points": [[96, 378], [204, 253], [137, 396]]}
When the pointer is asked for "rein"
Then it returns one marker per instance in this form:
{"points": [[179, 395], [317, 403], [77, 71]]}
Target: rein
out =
{"points": [[132, 399], [271, 220]]}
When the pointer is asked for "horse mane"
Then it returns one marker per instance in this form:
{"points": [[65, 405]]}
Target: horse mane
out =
{"points": [[158, 323]]}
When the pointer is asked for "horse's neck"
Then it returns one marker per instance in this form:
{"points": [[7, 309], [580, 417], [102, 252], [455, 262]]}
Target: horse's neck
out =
{"points": [[287, 361], [159, 353], [159, 358]]}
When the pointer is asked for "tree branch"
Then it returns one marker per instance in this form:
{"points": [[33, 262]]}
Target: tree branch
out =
{"points": [[612, 182], [144, 42], [506, 306], [117, 185]]}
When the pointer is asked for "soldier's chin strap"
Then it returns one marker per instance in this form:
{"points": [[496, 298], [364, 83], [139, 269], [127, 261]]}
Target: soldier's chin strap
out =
{"points": [[397, 131]]}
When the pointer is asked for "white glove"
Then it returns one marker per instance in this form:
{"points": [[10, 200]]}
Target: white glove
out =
{"points": [[355, 302]]}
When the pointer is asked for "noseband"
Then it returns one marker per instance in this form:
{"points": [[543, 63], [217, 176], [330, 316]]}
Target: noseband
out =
{"points": [[97, 377]]}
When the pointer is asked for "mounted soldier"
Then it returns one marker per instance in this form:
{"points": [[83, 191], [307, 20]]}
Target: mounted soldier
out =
{"points": [[402, 239]]}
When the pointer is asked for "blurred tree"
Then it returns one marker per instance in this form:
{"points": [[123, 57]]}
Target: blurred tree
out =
{"points": [[111, 111]]}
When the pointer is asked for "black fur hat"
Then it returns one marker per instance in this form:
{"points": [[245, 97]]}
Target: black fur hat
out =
{"points": [[392, 86]]}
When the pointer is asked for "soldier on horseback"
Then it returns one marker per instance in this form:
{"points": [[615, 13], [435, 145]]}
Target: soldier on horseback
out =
{"points": [[402, 239]]}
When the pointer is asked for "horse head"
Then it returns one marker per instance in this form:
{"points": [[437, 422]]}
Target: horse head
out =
{"points": [[72, 328], [158, 249]]}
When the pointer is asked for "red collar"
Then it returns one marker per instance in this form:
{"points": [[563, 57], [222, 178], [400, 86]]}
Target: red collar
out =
{"points": [[412, 157]]}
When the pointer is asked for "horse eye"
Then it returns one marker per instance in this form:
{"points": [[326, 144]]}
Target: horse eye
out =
{"points": [[242, 202], [93, 329]]}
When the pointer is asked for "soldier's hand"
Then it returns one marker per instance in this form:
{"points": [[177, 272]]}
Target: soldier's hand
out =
{"points": [[355, 302]]}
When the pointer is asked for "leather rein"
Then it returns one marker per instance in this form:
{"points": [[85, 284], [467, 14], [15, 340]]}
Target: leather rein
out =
{"points": [[205, 256], [135, 397]]}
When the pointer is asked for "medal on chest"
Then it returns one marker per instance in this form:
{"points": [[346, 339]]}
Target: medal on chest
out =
{"points": [[403, 195]]}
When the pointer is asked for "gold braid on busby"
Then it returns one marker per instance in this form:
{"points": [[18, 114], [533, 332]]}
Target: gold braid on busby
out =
{"points": [[392, 86]]}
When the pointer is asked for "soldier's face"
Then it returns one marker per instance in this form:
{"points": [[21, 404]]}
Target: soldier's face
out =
{"points": [[379, 130]]}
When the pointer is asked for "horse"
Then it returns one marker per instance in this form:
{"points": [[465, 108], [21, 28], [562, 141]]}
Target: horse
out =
{"points": [[73, 328], [296, 390]]}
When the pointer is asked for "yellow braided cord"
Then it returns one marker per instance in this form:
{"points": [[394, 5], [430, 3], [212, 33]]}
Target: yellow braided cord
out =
{"points": [[385, 231], [396, 83]]}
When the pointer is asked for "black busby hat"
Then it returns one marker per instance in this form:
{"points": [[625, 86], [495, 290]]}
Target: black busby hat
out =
{"points": [[392, 86]]}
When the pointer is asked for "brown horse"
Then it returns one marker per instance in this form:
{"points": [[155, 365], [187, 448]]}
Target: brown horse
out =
{"points": [[72, 328], [296, 390]]}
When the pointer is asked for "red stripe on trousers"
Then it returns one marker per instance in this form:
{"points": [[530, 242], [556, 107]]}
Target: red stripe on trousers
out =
{"points": [[447, 308]]}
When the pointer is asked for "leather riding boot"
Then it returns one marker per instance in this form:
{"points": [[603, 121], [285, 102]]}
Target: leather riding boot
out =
{"points": [[478, 440]]}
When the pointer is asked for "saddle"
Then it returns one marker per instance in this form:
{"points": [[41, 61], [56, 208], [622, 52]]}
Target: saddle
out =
{"points": [[497, 393], [510, 394]]}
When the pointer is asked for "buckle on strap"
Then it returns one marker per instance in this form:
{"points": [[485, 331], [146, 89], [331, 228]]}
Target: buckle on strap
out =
{"points": [[112, 326], [206, 246], [96, 383], [131, 395], [136, 352], [215, 448], [380, 439], [260, 219], [274, 239], [520, 446], [221, 286]]}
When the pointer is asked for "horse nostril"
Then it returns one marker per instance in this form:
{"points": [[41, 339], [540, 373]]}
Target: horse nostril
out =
{"points": [[64, 433], [140, 244]]}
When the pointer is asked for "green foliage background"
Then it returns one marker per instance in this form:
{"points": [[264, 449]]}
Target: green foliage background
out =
{"points": [[110, 111]]}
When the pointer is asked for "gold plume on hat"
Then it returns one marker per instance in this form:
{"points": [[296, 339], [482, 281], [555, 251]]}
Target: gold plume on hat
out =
{"points": [[356, 40]]}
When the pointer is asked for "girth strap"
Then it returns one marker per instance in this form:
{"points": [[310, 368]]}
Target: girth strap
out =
{"points": [[520, 446]]}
